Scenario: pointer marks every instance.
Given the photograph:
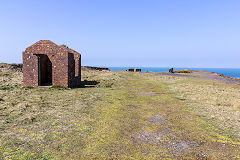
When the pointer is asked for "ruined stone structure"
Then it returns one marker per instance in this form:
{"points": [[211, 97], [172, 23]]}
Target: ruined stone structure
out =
{"points": [[130, 70], [46, 63], [138, 70], [134, 70]]}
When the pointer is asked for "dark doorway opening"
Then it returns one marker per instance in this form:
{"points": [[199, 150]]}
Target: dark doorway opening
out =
{"points": [[44, 70]]}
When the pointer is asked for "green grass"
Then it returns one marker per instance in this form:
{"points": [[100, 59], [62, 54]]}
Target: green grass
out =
{"points": [[124, 116]]}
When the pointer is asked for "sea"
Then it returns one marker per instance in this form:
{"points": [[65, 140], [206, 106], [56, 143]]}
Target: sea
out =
{"points": [[231, 72]]}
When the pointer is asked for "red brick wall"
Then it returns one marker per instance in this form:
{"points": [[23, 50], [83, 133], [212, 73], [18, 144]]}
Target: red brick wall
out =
{"points": [[30, 69], [62, 68]]}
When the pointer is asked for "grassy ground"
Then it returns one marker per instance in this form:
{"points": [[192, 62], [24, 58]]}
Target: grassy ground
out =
{"points": [[125, 116]]}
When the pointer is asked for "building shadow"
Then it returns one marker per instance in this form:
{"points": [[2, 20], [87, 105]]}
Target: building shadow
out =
{"points": [[87, 84]]}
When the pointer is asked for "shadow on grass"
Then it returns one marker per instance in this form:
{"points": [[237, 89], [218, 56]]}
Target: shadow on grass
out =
{"points": [[84, 84], [88, 84]]}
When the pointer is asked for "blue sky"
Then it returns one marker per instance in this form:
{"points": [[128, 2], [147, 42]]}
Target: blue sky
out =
{"points": [[150, 33]]}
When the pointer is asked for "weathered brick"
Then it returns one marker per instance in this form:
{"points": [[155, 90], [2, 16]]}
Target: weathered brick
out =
{"points": [[47, 62]]}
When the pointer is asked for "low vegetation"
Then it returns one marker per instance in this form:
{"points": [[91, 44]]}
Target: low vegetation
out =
{"points": [[216, 101], [183, 71], [120, 115]]}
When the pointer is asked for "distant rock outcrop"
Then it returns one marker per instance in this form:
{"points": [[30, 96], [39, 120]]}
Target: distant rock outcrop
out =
{"points": [[171, 70]]}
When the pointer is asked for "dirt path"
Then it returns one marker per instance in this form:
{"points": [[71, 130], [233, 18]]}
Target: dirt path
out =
{"points": [[144, 120], [128, 116]]}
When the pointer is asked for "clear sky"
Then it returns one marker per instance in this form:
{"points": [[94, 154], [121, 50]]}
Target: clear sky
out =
{"points": [[150, 33]]}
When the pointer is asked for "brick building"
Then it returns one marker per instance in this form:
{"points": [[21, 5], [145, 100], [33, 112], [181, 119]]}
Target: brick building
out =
{"points": [[46, 63]]}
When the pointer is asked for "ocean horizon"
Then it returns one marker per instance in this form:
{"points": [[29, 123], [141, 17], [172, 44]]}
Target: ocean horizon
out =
{"points": [[231, 72]]}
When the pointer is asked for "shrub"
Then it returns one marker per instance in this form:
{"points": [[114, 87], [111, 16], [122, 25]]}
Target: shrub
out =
{"points": [[5, 87]]}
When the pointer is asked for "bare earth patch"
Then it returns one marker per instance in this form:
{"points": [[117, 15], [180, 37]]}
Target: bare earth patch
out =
{"points": [[134, 106], [178, 147], [146, 93], [166, 139], [157, 118], [148, 137], [153, 137]]}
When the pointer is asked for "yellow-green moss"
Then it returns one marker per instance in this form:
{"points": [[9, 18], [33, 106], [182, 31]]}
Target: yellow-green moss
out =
{"points": [[105, 121]]}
